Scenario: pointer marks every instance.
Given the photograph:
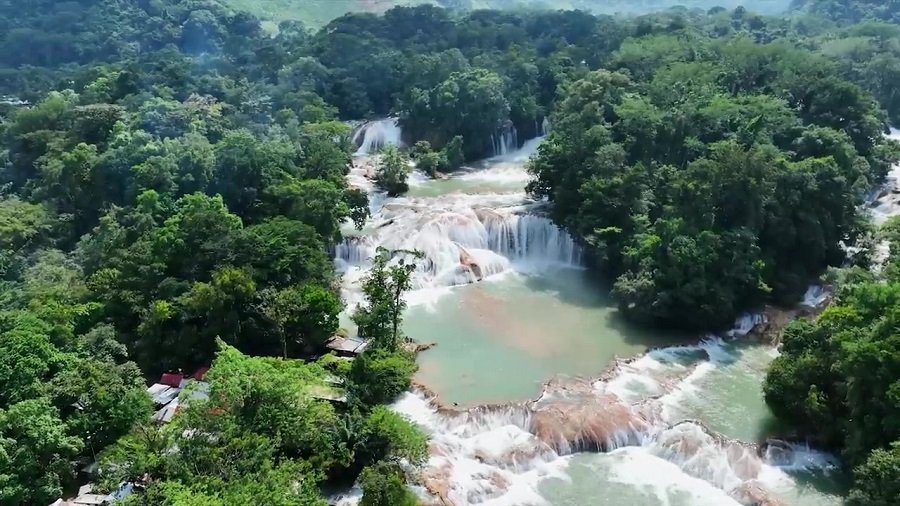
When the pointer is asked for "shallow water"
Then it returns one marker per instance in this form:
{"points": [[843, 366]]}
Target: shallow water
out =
{"points": [[500, 340], [630, 476], [726, 393], [530, 314], [635, 477]]}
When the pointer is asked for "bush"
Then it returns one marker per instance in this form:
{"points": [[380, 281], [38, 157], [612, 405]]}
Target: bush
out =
{"points": [[877, 482], [379, 376], [384, 485]]}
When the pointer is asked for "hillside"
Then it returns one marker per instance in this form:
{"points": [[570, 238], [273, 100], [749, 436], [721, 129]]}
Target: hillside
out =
{"points": [[313, 13], [316, 13]]}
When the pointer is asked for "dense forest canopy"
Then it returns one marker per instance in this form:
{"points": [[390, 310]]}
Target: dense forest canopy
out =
{"points": [[838, 378], [173, 184], [647, 163], [317, 13]]}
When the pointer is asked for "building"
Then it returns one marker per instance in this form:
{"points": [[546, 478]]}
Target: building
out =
{"points": [[167, 392], [347, 346]]}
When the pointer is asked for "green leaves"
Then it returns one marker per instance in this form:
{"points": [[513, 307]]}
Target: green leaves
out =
{"points": [[304, 317], [392, 171], [36, 454], [379, 376], [388, 280], [877, 481], [387, 435], [693, 182], [385, 485], [837, 379]]}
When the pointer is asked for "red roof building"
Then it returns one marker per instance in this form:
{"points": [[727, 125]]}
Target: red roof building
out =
{"points": [[172, 379]]}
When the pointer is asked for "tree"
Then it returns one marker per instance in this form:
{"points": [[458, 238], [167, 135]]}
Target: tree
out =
{"points": [[392, 171], [36, 454], [385, 485], [385, 435], [23, 228], [27, 360], [302, 315], [838, 375], [876, 481], [468, 103], [284, 252], [378, 376], [102, 400], [379, 319]]}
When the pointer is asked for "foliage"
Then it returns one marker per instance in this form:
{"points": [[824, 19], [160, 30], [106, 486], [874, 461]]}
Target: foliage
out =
{"points": [[305, 315], [688, 196], [386, 283], [173, 174], [36, 454], [392, 171], [387, 435], [379, 376], [258, 431], [876, 481], [384, 485], [810, 384], [837, 379]]}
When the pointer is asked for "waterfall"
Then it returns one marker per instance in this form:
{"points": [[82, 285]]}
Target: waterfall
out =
{"points": [[464, 238], [500, 454], [374, 135], [530, 238], [745, 323], [505, 141], [545, 127], [354, 251]]}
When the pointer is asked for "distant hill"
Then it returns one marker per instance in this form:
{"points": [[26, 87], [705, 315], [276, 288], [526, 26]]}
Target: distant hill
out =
{"points": [[313, 13], [317, 13]]}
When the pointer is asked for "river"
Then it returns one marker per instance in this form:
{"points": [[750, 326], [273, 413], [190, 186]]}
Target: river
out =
{"points": [[502, 293]]}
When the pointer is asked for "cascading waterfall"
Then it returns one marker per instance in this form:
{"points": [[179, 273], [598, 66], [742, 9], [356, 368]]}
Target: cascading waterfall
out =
{"points": [[463, 238], [545, 127], [530, 238], [499, 455], [505, 141], [374, 135]]}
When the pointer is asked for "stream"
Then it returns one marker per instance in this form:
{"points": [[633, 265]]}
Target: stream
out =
{"points": [[556, 400]]}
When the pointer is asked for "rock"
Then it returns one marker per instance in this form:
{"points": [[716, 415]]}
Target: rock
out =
{"points": [[466, 260], [777, 319], [745, 464], [588, 422], [436, 481], [416, 347], [752, 493]]}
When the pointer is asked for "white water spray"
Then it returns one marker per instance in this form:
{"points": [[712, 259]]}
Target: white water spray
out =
{"points": [[464, 238], [374, 135], [545, 127], [505, 141], [500, 455]]}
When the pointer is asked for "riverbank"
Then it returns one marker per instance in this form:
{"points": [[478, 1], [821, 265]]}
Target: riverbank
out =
{"points": [[503, 433]]}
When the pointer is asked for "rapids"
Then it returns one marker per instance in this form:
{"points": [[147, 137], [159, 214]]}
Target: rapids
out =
{"points": [[373, 135], [534, 452], [502, 293]]}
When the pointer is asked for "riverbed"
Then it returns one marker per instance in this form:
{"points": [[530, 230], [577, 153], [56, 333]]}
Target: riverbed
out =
{"points": [[505, 297]]}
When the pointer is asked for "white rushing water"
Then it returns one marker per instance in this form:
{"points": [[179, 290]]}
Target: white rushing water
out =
{"points": [[884, 203], [505, 141], [529, 453], [373, 135], [658, 430], [463, 237]]}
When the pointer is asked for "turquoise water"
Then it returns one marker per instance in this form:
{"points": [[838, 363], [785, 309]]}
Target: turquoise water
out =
{"points": [[500, 340]]}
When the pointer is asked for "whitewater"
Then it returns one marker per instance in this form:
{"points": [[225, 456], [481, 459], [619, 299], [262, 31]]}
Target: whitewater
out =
{"points": [[678, 425]]}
